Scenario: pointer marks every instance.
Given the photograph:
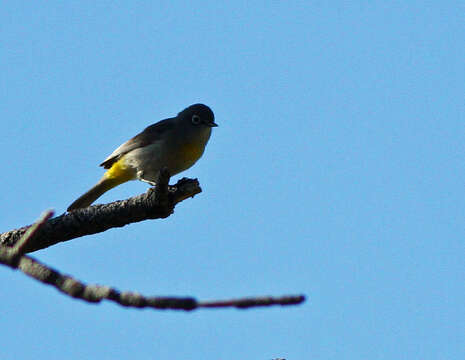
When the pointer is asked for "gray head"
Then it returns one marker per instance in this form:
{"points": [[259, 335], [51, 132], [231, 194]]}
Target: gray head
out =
{"points": [[198, 115]]}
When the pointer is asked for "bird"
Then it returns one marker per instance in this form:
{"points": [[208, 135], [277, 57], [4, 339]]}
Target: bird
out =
{"points": [[175, 143]]}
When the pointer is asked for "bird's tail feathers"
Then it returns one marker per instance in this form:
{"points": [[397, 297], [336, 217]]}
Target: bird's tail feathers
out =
{"points": [[95, 192]]}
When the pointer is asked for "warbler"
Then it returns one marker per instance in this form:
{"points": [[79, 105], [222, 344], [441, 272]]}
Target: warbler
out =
{"points": [[175, 143]]}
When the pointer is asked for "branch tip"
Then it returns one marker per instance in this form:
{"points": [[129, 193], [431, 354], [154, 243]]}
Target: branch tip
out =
{"points": [[19, 248]]}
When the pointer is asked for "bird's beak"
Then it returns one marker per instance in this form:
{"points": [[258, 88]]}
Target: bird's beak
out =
{"points": [[212, 124]]}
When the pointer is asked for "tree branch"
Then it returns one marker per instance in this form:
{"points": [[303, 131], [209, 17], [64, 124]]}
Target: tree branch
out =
{"points": [[156, 203], [96, 293]]}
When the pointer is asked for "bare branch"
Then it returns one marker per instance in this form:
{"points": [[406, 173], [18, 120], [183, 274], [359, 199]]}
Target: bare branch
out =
{"points": [[96, 293], [156, 203]]}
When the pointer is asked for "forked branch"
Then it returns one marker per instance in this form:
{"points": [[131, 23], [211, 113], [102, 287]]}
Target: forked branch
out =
{"points": [[158, 203]]}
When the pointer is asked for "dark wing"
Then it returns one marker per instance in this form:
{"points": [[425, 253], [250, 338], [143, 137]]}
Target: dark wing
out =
{"points": [[150, 135]]}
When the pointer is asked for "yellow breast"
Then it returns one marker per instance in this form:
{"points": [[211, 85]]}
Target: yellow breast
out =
{"points": [[185, 156], [191, 152]]}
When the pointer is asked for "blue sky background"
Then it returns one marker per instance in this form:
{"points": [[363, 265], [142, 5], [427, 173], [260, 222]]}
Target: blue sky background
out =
{"points": [[337, 172]]}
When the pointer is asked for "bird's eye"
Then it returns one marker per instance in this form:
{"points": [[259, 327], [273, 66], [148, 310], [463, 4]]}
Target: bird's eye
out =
{"points": [[195, 119]]}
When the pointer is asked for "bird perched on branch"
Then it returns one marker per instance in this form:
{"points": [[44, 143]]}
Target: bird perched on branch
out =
{"points": [[175, 143]]}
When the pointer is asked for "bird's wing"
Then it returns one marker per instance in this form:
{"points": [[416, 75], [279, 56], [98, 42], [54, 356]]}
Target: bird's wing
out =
{"points": [[148, 136]]}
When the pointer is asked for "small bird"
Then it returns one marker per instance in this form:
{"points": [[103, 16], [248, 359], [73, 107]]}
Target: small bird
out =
{"points": [[176, 143]]}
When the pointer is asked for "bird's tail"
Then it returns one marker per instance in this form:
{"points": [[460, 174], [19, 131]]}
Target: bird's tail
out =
{"points": [[117, 174], [95, 192]]}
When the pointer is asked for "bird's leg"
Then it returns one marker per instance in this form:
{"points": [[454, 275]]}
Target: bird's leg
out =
{"points": [[140, 176]]}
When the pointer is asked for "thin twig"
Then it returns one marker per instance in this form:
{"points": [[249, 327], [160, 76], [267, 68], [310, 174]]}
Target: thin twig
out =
{"points": [[254, 301]]}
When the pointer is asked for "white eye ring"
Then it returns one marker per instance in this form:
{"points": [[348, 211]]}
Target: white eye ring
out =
{"points": [[196, 119]]}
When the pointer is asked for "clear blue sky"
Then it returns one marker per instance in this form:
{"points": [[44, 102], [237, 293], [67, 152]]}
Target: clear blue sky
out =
{"points": [[337, 171]]}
